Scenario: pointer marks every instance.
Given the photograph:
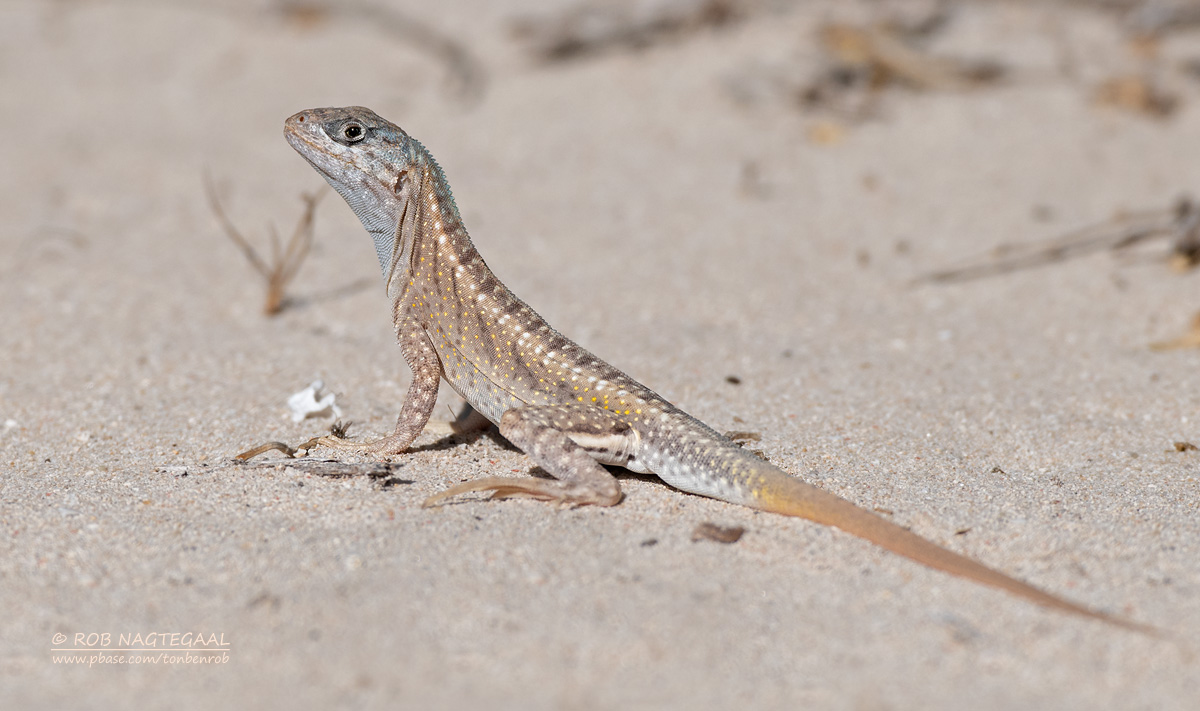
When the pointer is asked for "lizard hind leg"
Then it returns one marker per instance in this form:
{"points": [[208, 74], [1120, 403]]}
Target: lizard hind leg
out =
{"points": [[566, 441]]}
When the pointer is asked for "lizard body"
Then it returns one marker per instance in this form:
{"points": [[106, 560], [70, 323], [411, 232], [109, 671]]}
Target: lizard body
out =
{"points": [[567, 409]]}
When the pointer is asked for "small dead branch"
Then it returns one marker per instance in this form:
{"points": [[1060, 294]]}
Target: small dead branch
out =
{"points": [[466, 78], [1191, 339], [885, 54], [1156, 18], [742, 437], [1179, 224], [863, 60], [721, 534], [593, 28], [285, 262], [1137, 93]]}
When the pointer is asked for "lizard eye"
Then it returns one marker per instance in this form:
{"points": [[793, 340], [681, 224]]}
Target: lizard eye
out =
{"points": [[353, 132]]}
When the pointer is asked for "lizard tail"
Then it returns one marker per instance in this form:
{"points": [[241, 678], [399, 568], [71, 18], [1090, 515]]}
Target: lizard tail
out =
{"points": [[779, 493]]}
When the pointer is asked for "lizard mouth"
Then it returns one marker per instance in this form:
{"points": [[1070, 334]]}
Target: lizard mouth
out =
{"points": [[311, 150], [299, 139]]}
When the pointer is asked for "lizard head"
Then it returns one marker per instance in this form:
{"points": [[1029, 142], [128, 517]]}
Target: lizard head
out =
{"points": [[368, 161]]}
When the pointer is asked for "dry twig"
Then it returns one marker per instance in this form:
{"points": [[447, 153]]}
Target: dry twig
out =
{"points": [[285, 261], [593, 28], [1180, 224], [1137, 93], [1191, 339], [721, 534], [862, 60], [466, 77], [886, 54]]}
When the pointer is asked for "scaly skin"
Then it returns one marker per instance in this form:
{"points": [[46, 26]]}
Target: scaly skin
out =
{"points": [[566, 408]]}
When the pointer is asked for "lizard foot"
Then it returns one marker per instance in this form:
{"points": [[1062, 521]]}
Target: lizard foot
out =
{"points": [[570, 494], [385, 446]]}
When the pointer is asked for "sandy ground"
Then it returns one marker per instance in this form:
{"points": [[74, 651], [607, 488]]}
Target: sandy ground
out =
{"points": [[678, 212]]}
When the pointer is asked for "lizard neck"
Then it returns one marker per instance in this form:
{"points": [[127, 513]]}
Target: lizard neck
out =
{"points": [[429, 230], [437, 262]]}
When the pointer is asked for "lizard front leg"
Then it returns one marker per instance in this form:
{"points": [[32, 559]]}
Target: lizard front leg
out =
{"points": [[566, 441], [418, 402]]}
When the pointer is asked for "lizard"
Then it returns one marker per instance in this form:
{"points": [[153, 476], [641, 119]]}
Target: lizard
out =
{"points": [[568, 410]]}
